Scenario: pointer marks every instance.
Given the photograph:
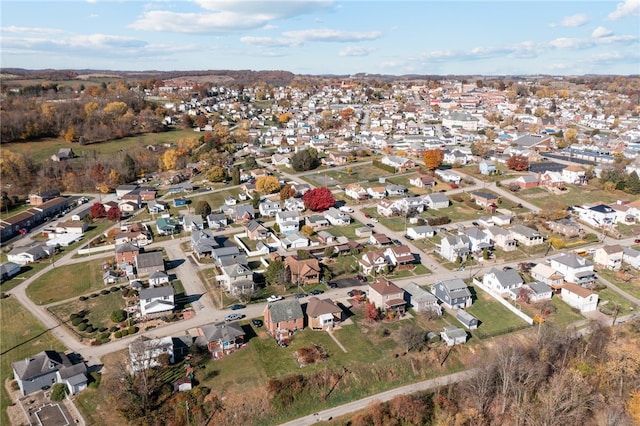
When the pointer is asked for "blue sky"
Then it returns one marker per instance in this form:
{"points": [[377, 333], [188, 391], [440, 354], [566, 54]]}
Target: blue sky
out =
{"points": [[325, 36]]}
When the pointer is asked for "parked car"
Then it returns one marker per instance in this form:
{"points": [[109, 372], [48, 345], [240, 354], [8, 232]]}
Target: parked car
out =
{"points": [[370, 225], [355, 292], [368, 216], [256, 322], [474, 223], [316, 292], [332, 285], [637, 241], [361, 278], [373, 219], [396, 242], [233, 317], [299, 295], [237, 306], [274, 298]]}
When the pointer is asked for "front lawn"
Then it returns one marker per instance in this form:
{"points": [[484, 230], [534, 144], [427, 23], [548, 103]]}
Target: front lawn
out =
{"points": [[66, 282], [348, 231], [632, 287], [494, 318], [609, 301]]}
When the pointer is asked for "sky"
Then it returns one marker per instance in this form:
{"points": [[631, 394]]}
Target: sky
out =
{"points": [[325, 36]]}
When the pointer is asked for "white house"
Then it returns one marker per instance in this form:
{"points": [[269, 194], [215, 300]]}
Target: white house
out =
{"points": [[420, 232], [436, 201], [526, 236], [144, 353], [288, 222], [373, 261], [454, 246], [449, 176], [192, 222], [546, 274], [575, 269], [156, 300], [455, 157], [294, 204], [631, 257], [337, 217], [387, 208], [421, 300], [478, 239], [453, 335], [609, 256], [501, 238], [502, 282], [29, 254], [269, 208], [600, 216], [579, 297], [377, 192], [355, 191], [294, 240], [536, 290]]}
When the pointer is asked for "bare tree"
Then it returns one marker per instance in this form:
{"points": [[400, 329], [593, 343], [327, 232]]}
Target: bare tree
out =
{"points": [[480, 390], [411, 336]]}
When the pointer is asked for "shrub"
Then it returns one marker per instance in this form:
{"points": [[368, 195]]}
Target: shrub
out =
{"points": [[113, 289], [125, 292], [73, 316], [90, 329], [76, 321], [102, 329], [124, 332], [104, 292], [82, 298], [95, 294], [117, 334], [14, 385], [104, 335], [133, 329], [82, 326], [95, 377], [58, 392], [118, 315], [114, 329]]}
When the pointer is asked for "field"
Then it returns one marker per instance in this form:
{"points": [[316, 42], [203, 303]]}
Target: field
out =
{"points": [[494, 318], [359, 172], [22, 336], [572, 196], [42, 149], [66, 282]]}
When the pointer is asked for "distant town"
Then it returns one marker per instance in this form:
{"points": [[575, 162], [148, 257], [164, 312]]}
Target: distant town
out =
{"points": [[195, 248]]}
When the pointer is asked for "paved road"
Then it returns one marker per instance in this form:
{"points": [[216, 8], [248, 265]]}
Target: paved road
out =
{"points": [[361, 404]]}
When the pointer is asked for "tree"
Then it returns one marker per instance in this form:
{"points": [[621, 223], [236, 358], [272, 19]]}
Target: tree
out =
{"points": [[118, 315], [114, 178], [250, 163], [276, 273], [371, 312], [318, 199], [307, 230], [632, 183], [481, 149], [267, 184], [97, 210], [255, 200], [114, 214], [98, 173], [235, 175], [433, 158], [287, 192], [304, 160], [202, 208], [411, 337], [216, 174], [518, 163], [58, 392], [169, 159]]}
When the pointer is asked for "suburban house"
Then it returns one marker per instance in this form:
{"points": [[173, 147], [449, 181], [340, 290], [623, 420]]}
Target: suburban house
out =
{"points": [[192, 222], [467, 319], [453, 293], [400, 257], [337, 217], [487, 168], [355, 191], [478, 239], [420, 232], [484, 199], [77, 227], [502, 282], [379, 240], [256, 231], [565, 227], [395, 190], [453, 247], [303, 271], [526, 236], [269, 208], [422, 181], [203, 243], [551, 179], [316, 222], [401, 164], [387, 208], [158, 278], [325, 237], [217, 220], [534, 142], [156, 207], [241, 213], [579, 297], [28, 254], [293, 241], [47, 368], [453, 335], [372, 262], [609, 256], [283, 318], [536, 291], [126, 253], [501, 238], [547, 275], [386, 296], [228, 255], [574, 175], [166, 226], [145, 353], [421, 300], [294, 204], [236, 278], [323, 314], [156, 300], [9, 270], [575, 269], [455, 156], [410, 205], [460, 120], [147, 263], [221, 338], [631, 257], [599, 216], [377, 192], [288, 222], [527, 181], [436, 201]]}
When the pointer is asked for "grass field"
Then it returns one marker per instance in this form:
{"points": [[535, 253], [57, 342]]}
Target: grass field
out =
{"points": [[632, 287], [41, 150], [98, 309], [494, 318], [22, 336], [573, 196], [66, 282]]}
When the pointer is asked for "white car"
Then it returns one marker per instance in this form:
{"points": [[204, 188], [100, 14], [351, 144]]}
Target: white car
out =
{"points": [[346, 209], [274, 298]]}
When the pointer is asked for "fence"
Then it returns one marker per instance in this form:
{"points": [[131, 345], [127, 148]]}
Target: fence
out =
{"points": [[504, 303], [99, 249]]}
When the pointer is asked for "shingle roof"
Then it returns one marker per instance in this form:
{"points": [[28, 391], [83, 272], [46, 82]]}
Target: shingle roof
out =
{"points": [[155, 292], [285, 310], [39, 364]]}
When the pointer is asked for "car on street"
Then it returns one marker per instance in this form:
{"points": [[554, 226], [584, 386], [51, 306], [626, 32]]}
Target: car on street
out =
{"points": [[373, 219], [316, 292], [368, 216], [332, 285], [474, 223], [354, 292], [361, 278], [370, 225], [237, 306], [233, 317], [396, 242], [637, 241], [256, 322], [274, 298], [299, 295]]}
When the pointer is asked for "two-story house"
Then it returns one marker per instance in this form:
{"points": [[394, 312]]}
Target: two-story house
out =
{"points": [[453, 247], [372, 262], [355, 191], [337, 217], [453, 293], [283, 318], [422, 181], [400, 257], [526, 236], [294, 204], [478, 239], [421, 300], [547, 275], [609, 256], [386, 296], [502, 281], [303, 271], [599, 216], [256, 231], [579, 297], [323, 314], [156, 300], [436, 201], [269, 208], [501, 238], [575, 269], [377, 192], [288, 222]]}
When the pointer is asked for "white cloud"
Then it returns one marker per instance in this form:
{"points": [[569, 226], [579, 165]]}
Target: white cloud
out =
{"points": [[626, 8], [570, 43], [601, 32], [30, 30], [356, 51], [269, 41], [226, 16], [332, 35], [576, 20]]}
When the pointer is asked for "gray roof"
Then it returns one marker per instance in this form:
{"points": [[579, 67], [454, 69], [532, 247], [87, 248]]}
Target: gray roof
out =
{"points": [[476, 234], [437, 197], [424, 229], [539, 287], [224, 332], [7, 267], [39, 364], [236, 270], [419, 294], [572, 260], [150, 259], [158, 274], [456, 288], [126, 247], [508, 277], [526, 231], [285, 310], [155, 292]]}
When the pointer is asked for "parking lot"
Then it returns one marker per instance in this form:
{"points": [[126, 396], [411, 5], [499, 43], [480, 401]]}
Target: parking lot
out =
{"points": [[546, 166]]}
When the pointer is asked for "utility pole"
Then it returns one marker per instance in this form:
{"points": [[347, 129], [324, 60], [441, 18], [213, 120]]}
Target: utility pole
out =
{"points": [[187, 406]]}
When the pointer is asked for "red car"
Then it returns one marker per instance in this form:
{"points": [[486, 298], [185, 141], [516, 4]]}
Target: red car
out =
{"points": [[637, 241]]}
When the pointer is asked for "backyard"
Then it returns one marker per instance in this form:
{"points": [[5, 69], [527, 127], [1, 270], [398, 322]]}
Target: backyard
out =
{"points": [[494, 318]]}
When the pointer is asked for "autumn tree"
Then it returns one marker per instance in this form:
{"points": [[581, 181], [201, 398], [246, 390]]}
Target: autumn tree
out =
{"points": [[216, 174], [481, 149], [276, 273], [318, 199], [286, 192], [114, 214], [371, 312], [235, 175], [97, 210], [267, 184], [518, 163], [433, 158], [411, 337], [98, 173], [114, 178], [202, 208], [169, 160]]}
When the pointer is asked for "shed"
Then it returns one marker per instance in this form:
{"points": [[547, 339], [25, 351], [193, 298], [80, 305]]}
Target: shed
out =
{"points": [[467, 319]]}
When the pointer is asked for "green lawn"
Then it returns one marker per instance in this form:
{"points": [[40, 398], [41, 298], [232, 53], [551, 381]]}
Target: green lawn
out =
{"points": [[494, 318], [572, 196], [22, 336], [564, 315], [41, 150], [216, 199], [348, 231], [632, 287], [66, 282], [360, 172], [98, 309], [608, 300], [27, 271]]}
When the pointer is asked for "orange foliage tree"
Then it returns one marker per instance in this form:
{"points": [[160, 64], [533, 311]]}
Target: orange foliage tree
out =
{"points": [[433, 158]]}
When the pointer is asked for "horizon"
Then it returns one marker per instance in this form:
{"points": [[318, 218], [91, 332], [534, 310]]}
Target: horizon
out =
{"points": [[325, 37]]}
